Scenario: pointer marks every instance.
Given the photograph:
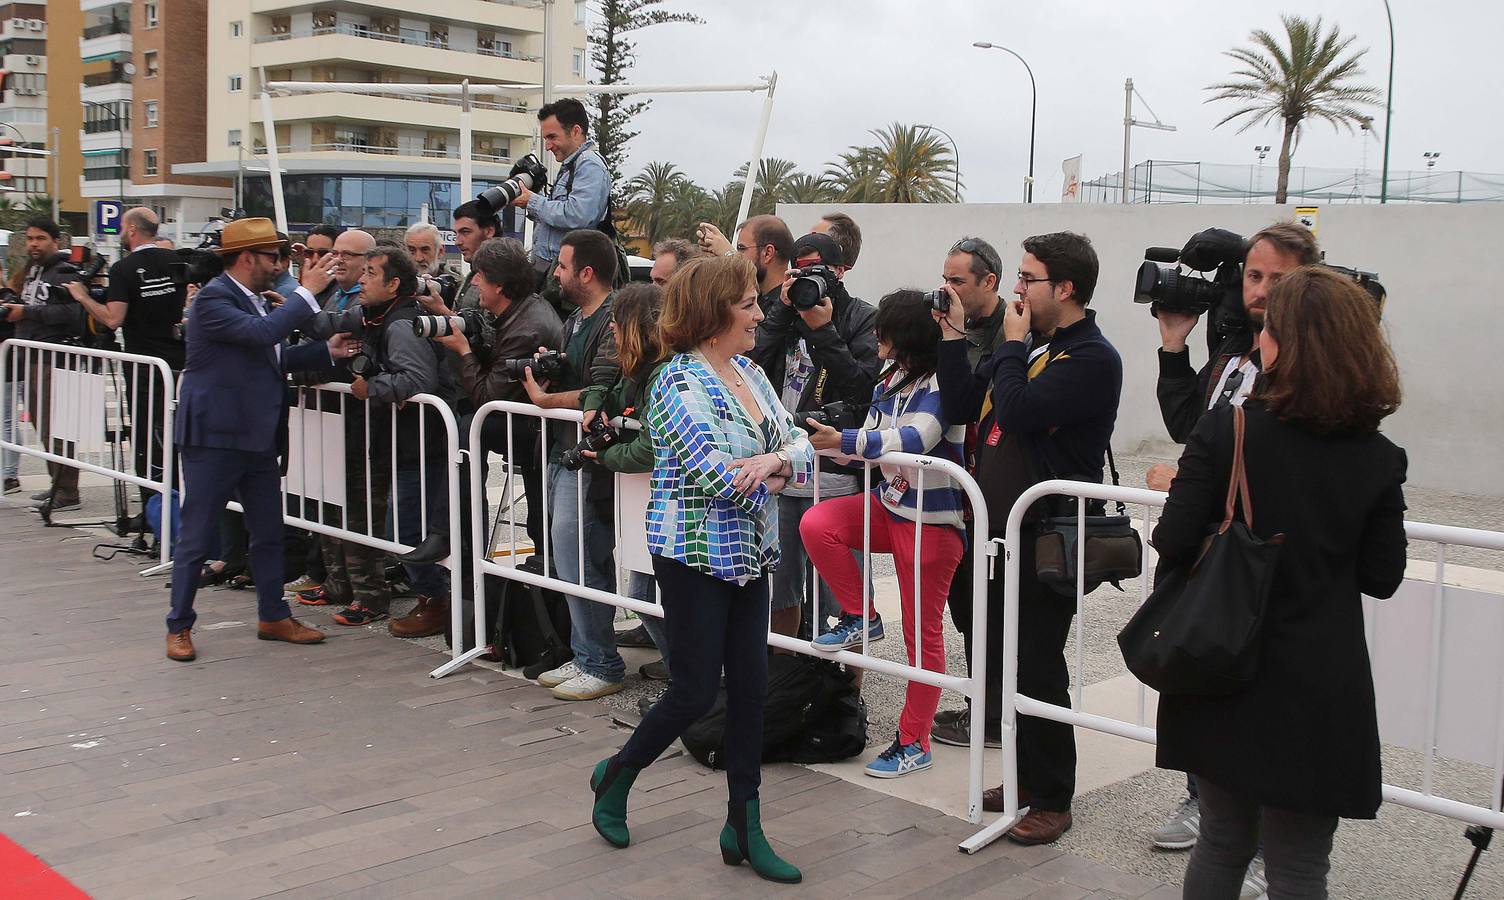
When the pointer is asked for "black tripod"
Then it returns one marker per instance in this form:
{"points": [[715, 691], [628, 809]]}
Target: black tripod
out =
{"points": [[1480, 836]]}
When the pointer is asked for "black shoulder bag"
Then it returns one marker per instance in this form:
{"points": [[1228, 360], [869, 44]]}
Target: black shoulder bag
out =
{"points": [[1114, 550], [1198, 633]]}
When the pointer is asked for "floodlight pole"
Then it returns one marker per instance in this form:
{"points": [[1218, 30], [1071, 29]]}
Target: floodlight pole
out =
{"points": [[1388, 104], [1128, 122], [753, 165], [273, 163]]}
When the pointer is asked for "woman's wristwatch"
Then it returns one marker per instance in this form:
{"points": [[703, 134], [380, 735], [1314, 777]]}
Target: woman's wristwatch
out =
{"points": [[788, 463]]}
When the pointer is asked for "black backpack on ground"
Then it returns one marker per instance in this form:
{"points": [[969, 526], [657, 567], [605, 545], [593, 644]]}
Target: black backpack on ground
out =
{"points": [[529, 625], [813, 713]]}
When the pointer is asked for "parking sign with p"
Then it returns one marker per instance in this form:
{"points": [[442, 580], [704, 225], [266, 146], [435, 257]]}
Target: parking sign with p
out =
{"points": [[107, 215]]}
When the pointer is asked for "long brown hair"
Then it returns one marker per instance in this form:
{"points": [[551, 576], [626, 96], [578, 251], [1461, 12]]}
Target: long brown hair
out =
{"points": [[1335, 372], [635, 310]]}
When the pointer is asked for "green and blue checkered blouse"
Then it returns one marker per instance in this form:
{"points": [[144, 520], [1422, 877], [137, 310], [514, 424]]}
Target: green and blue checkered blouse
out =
{"points": [[698, 427]]}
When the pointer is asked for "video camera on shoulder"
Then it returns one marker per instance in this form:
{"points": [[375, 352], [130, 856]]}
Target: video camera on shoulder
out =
{"points": [[528, 172], [546, 366], [839, 415]]}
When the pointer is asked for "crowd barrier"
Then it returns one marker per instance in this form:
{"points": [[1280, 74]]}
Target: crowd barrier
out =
{"points": [[1480, 706], [629, 535], [344, 476], [100, 411]]}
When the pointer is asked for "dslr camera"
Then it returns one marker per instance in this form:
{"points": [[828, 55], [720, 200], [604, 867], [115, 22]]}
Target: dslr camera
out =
{"points": [[938, 300], [362, 365], [600, 436], [468, 322], [839, 415], [444, 285], [528, 172], [811, 284], [546, 366]]}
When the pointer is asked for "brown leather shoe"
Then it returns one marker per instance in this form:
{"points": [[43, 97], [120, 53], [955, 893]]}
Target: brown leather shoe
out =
{"points": [[428, 618], [1041, 826], [992, 799], [180, 646], [289, 630]]}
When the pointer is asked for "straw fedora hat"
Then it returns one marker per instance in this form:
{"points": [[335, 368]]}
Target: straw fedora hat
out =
{"points": [[248, 234]]}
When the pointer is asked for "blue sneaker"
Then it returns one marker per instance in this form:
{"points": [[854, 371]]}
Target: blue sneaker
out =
{"points": [[848, 633], [899, 759]]}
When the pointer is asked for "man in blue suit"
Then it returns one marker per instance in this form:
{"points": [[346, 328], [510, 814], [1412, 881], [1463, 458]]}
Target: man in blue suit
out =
{"points": [[231, 421]]}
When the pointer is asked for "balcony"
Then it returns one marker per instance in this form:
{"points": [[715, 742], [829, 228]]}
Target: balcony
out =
{"points": [[405, 36], [523, 16], [114, 45], [424, 111], [98, 5], [103, 141], [116, 75], [104, 29]]}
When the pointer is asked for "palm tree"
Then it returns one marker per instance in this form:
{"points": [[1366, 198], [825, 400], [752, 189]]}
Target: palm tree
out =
{"points": [[914, 165], [854, 177], [772, 177], [649, 194], [1309, 79], [38, 205], [804, 188]]}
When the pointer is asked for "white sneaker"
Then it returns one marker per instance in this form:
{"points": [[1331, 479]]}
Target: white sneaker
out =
{"points": [[556, 677], [1181, 829], [586, 687], [1255, 883]]}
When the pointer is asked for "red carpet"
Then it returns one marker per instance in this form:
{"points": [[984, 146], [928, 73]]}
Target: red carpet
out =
{"points": [[24, 876]]}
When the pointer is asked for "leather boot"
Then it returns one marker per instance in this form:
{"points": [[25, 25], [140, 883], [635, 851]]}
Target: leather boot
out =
{"points": [[742, 839], [611, 782], [428, 618], [433, 549], [290, 630], [180, 646]]}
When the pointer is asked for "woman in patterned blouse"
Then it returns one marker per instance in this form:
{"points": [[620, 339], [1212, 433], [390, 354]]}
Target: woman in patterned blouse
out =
{"points": [[723, 446]]}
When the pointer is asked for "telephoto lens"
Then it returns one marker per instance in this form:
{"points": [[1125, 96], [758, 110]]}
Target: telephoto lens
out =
{"points": [[438, 326]]}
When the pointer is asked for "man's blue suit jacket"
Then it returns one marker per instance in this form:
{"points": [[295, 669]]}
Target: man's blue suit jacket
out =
{"points": [[234, 388]]}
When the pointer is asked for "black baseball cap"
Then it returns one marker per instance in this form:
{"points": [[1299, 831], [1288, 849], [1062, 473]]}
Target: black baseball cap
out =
{"points": [[823, 244]]}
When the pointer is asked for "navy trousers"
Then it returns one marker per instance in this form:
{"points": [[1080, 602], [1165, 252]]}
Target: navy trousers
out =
{"points": [[211, 478]]}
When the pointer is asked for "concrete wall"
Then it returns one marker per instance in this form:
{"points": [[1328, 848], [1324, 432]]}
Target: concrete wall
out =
{"points": [[1441, 265]]}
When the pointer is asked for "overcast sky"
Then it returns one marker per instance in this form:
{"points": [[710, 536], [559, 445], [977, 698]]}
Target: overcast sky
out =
{"points": [[847, 66]]}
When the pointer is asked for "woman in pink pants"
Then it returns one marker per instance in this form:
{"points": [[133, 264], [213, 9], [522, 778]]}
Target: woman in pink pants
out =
{"points": [[905, 416]]}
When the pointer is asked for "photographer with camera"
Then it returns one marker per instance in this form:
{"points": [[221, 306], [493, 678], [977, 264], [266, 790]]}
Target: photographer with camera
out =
{"points": [[396, 364], [47, 312], [438, 290], [1046, 398], [145, 301], [818, 346], [635, 310], [1229, 375], [766, 241], [846, 232], [579, 196], [580, 502], [501, 276]]}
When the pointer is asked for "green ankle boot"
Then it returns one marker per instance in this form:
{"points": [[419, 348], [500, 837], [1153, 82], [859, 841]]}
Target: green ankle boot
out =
{"points": [[742, 838], [611, 782]]}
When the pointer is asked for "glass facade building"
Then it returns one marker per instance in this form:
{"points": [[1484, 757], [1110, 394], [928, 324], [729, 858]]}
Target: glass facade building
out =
{"points": [[358, 201]]}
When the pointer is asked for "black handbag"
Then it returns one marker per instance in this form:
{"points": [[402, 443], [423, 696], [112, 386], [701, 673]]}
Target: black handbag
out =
{"points": [[1114, 550], [1198, 632]]}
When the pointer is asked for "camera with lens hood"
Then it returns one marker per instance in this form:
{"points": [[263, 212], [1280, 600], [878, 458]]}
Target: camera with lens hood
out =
{"points": [[811, 285], [546, 366], [527, 173]]}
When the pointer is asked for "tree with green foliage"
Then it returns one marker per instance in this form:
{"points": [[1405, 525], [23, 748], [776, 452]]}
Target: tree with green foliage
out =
{"points": [[770, 185], [650, 195], [612, 54], [908, 164], [1309, 78]]}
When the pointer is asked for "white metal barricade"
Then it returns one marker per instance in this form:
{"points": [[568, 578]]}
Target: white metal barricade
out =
{"points": [[316, 487], [90, 409], [1430, 695], [972, 687]]}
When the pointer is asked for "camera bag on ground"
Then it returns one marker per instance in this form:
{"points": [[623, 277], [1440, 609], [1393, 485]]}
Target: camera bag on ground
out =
{"points": [[530, 625], [1114, 550], [813, 713]]}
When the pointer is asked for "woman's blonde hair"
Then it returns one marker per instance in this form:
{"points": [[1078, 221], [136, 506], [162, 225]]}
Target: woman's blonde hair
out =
{"points": [[697, 302], [636, 309]]}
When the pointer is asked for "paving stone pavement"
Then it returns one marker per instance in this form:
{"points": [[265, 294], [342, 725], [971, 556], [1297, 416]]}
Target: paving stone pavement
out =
{"points": [[344, 770]]}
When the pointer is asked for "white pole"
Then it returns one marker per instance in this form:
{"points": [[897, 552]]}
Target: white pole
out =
{"points": [[269, 132], [467, 144], [1127, 132], [548, 52], [762, 133], [57, 173]]}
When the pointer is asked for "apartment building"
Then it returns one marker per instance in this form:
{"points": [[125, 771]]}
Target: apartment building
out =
{"points": [[375, 160], [31, 106], [143, 101]]}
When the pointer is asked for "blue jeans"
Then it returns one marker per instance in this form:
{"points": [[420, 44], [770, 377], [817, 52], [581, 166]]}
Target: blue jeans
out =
{"points": [[592, 629], [430, 580], [10, 392], [640, 587]]}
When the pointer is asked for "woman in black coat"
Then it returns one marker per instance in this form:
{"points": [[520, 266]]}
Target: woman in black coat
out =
{"points": [[1298, 748]]}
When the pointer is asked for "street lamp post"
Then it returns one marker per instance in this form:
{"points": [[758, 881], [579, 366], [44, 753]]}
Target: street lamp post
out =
{"points": [[1262, 150], [955, 153], [1033, 108], [1388, 105], [1431, 157]]}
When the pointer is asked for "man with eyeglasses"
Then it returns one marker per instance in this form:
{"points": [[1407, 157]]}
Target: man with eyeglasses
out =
{"points": [[765, 240], [1046, 398], [348, 258]]}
